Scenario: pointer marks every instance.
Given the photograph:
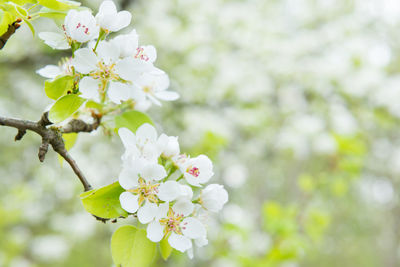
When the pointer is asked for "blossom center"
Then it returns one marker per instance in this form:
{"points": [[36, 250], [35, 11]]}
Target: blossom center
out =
{"points": [[105, 72], [141, 54], [173, 222], [146, 191], [193, 171], [85, 29]]}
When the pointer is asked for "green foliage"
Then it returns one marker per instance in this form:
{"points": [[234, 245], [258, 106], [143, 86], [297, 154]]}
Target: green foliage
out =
{"points": [[65, 107], [131, 248], [165, 249], [211, 143], [104, 202], [59, 86], [279, 220], [51, 13], [59, 5], [316, 223], [132, 120], [6, 18]]}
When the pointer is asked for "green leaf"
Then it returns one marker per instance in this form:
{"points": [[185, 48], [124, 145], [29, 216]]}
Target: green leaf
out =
{"points": [[131, 248], [132, 120], [23, 2], [52, 14], [104, 202], [58, 87], [165, 249], [95, 105], [30, 26], [6, 18], [65, 107], [59, 5]]}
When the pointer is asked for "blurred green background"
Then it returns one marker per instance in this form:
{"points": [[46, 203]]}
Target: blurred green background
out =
{"points": [[296, 101]]}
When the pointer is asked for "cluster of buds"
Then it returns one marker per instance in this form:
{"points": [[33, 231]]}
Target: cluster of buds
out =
{"points": [[108, 71], [164, 188]]}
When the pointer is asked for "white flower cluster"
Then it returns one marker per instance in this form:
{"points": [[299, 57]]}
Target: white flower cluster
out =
{"points": [[158, 181], [117, 69]]}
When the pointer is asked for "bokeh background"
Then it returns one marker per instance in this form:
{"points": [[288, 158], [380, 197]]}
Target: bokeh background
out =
{"points": [[296, 101]]}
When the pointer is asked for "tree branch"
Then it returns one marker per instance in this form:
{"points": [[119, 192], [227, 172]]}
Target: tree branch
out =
{"points": [[52, 136], [77, 126], [10, 31]]}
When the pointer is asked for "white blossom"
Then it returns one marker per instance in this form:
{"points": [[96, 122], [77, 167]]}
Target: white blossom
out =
{"points": [[181, 228], [101, 70], [168, 145], [127, 43], [197, 170], [79, 26], [110, 20], [154, 85], [213, 197], [143, 144]]}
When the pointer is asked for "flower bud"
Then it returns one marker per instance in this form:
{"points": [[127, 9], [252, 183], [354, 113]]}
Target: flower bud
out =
{"points": [[213, 197]]}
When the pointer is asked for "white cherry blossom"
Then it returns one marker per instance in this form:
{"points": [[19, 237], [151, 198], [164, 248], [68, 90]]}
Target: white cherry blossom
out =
{"points": [[127, 43], [80, 26], [143, 144], [143, 190], [100, 67], [154, 85], [168, 145], [52, 71], [110, 20], [197, 170], [180, 229], [131, 68], [213, 197]]}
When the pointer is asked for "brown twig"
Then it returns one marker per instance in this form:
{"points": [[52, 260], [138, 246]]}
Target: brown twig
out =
{"points": [[50, 136], [10, 31]]}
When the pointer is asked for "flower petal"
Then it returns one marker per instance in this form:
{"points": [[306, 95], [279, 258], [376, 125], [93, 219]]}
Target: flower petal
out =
{"points": [[127, 137], [89, 88], [162, 210], [128, 178], [179, 242], [167, 95], [54, 40], [123, 19], [153, 172], [108, 52], [49, 71], [129, 202], [84, 61], [193, 228], [147, 213], [168, 191], [184, 207], [118, 92], [146, 133], [201, 241], [155, 231]]}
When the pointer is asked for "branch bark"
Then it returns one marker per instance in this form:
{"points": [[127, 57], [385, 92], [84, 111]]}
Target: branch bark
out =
{"points": [[53, 136], [10, 31]]}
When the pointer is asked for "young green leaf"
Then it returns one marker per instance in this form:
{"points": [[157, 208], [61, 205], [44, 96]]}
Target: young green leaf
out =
{"points": [[165, 249], [6, 18], [59, 5], [104, 202], [131, 248], [58, 87], [30, 26], [65, 107], [132, 120]]}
